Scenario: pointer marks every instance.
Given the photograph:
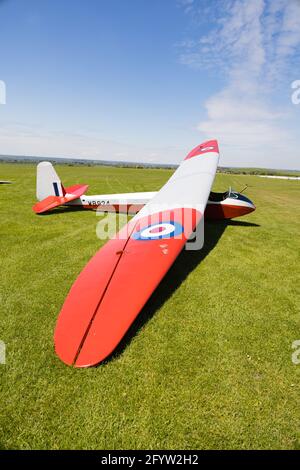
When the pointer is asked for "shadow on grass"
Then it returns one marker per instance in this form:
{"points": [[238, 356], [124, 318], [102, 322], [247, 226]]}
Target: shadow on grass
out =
{"points": [[186, 262], [63, 209]]}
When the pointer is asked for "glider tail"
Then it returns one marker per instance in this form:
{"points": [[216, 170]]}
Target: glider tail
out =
{"points": [[50, 191], [48, 182]]}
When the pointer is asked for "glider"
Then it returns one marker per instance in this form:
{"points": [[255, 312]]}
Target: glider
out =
{"points": [[116, 283], [51, 194], [114, 286]]}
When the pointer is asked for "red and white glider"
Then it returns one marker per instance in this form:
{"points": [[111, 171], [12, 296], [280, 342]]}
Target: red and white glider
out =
{"points": [[114, 286], [51, 194]]}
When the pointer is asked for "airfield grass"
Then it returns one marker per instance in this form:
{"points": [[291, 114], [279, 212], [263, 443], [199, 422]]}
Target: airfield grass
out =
{"points": [[207, 365]]}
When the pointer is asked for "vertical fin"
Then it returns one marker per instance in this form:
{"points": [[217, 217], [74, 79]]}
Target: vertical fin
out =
{"points": [[47, 181]]}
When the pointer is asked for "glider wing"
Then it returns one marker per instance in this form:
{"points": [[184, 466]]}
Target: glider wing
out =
{"points": [[116, 283]]}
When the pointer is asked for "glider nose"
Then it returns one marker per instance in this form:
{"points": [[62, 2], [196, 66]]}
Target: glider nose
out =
{"points": [[251, 207], [247, 203], [250, 204]]}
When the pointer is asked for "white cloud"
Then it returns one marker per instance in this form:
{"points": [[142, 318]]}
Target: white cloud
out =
{"points": [[187, 5], [260, 34], [252, 45]]}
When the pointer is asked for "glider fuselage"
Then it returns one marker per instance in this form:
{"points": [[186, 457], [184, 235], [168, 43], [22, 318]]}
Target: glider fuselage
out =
{"points": [[230, 204]]}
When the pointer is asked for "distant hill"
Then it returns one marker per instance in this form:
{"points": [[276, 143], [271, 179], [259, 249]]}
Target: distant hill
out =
{"points": [[91, 162], [83, 161], [258, 171]]}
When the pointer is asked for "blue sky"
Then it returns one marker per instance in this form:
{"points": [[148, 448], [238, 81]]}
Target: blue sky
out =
{"points": [[142, 80]]}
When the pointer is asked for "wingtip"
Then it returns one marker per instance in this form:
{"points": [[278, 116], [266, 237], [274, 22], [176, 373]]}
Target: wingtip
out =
{"points": [[205, 147]]}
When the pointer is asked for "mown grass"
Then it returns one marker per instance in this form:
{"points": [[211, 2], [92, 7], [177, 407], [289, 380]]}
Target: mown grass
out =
{"points": [[208, 363]]}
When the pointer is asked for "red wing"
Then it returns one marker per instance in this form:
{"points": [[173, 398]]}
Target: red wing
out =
{"points": [[115, 285]]}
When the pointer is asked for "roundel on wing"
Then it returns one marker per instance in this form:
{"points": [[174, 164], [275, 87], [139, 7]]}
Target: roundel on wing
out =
{"points": [[159, 231]]}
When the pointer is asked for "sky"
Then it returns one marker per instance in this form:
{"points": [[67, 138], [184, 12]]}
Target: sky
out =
{"points": [[146, 81]]}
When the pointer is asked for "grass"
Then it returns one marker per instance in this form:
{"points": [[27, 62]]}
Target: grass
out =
{"points": [[208, 363]]}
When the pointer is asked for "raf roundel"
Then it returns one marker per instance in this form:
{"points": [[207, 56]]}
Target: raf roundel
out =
{"points": [[159, 231]]}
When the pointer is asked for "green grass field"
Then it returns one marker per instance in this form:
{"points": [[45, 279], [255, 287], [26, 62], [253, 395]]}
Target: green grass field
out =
{"points": [[208, 363]]}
